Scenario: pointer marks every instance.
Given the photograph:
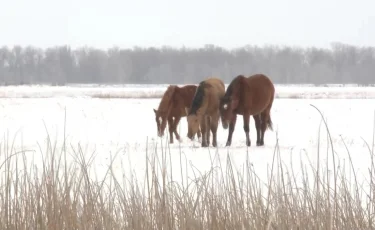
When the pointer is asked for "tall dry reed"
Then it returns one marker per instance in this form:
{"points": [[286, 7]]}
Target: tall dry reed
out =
{"points": [[62, 194]]}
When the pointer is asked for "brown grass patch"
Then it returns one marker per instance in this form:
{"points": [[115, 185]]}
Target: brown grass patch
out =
{"points": [[62, 195]]}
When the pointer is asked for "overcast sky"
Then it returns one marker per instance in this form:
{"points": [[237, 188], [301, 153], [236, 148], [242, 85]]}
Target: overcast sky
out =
{"points": [[193, 23]]}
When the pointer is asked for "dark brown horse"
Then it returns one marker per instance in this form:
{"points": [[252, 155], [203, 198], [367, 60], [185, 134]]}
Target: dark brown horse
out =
{"points": [[172, 107], [248, 96], [204, 110]]}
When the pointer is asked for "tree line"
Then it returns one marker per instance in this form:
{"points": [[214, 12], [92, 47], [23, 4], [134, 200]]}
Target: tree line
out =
{"points": [[339, 64]]}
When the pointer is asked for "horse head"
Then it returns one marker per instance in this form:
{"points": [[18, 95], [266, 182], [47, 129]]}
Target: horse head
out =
{"points": [[230, 102], [161, 122], [193, 123], [193, 116]]}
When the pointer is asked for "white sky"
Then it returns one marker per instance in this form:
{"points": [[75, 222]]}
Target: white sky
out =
{"points": [[193, 23]]}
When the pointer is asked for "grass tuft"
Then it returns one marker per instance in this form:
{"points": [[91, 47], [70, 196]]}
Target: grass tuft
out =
{"points": [[64, 194]]}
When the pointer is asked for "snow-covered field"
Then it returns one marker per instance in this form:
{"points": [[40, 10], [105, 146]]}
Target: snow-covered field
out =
{"points": [[335, 91], [127, 126]]}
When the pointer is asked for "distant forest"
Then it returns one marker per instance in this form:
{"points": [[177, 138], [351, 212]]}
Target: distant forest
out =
{"points": [[60, 65]]}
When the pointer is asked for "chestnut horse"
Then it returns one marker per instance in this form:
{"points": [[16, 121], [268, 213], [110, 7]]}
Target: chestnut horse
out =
{"points": [[172, 108], [204, 110], [248, 96]]}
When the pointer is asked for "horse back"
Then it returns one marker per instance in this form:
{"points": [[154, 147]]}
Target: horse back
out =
{"points": [[217, 85], [260, 84], [215, 91], [182, 99], [186, 95], [257, 93]]}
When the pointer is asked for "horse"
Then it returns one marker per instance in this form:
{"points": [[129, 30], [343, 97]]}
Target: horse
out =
{"points": [[248, 96], [172, 107], [204, 110]]}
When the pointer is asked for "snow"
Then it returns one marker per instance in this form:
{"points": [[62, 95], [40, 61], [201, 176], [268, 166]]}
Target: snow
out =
{"points": [[156, 91], [127, 127]]}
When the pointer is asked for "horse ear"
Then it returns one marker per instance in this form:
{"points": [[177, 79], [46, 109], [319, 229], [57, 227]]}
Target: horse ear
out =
{"points": [[187, 110], [154, 111]]}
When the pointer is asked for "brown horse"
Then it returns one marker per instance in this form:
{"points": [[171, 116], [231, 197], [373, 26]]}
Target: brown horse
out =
{"points": [[204, 110], [172, 108], [248, 96]]}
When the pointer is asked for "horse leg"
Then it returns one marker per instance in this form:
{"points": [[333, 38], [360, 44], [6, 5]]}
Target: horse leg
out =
{"points": [[199, 133], [204, 131], [175, 124], [246, 127], [257, 119], [232, 124], [170, 127], [266, 122], [214, 124], [208, 128]]}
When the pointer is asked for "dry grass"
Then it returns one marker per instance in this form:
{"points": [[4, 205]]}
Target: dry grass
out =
{"points": [[62, 195]]}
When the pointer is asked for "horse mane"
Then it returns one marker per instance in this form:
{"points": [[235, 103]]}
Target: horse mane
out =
{"points": [[198, 98], [231, 86], [167, 98]]}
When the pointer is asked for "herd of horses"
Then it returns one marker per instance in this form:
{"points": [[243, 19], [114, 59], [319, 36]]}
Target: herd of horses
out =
{"points": [[204, 105]]}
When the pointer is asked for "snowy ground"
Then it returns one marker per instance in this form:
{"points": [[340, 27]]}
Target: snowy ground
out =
{"points": [[335, 91], [125, 126]]}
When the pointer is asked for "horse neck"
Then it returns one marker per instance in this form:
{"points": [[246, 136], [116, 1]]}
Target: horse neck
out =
{"points": [[203, 108], [237, 93], [165, 106]]}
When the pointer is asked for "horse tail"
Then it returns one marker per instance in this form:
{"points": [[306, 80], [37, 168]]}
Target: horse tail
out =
{"points": [[269, 123]]}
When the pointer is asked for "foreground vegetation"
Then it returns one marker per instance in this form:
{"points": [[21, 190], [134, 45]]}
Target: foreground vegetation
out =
{"points": [[63, 195]]}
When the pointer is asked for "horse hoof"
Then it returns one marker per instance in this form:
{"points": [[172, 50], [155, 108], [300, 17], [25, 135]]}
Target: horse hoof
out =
{"points": [[204, 145], [228, 144], [248, 143]]}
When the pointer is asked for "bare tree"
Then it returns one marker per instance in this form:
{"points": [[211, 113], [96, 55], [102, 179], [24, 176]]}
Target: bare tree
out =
{"points": [[287, 65]]}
